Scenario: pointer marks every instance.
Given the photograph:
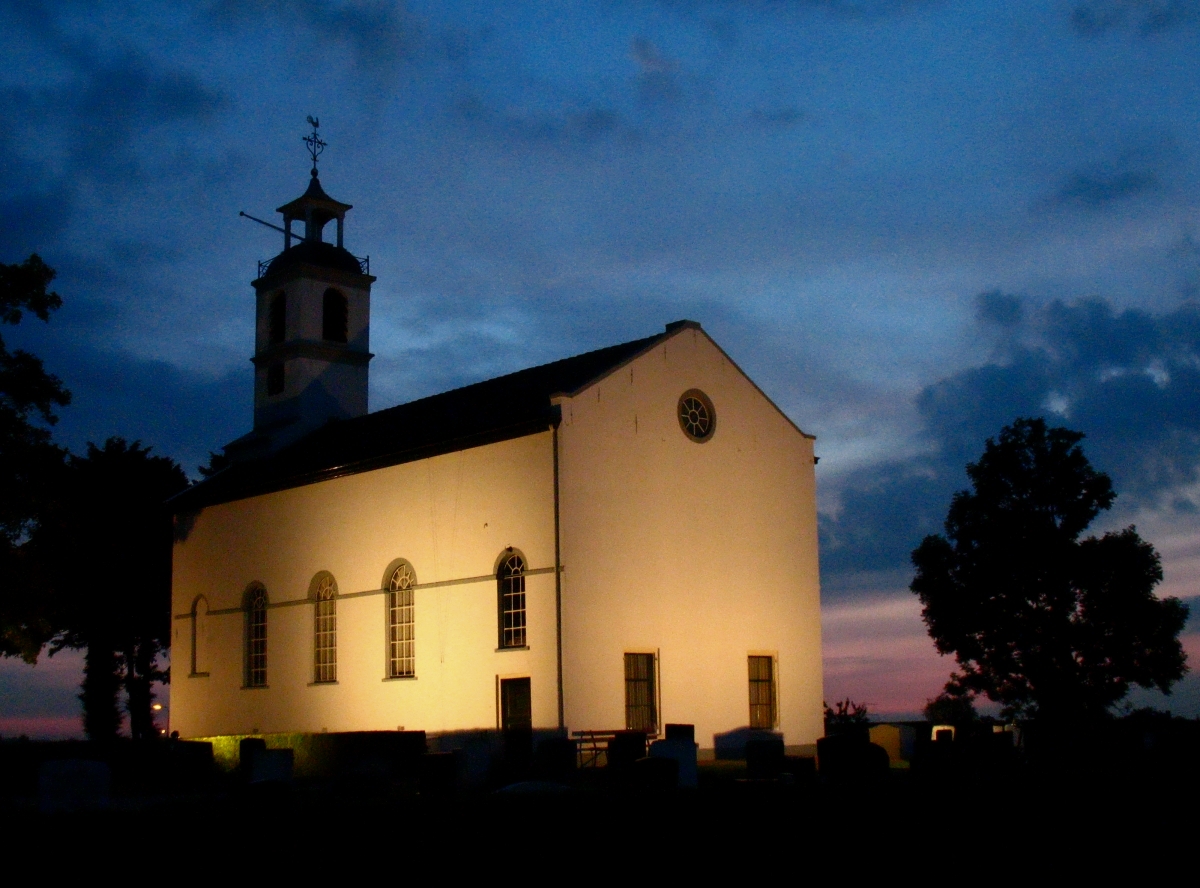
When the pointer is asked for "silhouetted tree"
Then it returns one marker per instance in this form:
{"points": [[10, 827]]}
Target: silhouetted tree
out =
{"points": [[109, 545], [216, 463], [847, 716], [29, 462], [949, 708], [1039, 620]]}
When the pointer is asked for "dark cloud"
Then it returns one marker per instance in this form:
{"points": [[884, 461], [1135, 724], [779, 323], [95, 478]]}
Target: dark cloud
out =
{"points": [[180, 413], [1101, 188], [859, 8], [33, 16], [999, 309], [726, 31], [842, 8], [92, 126], [379, 33], [565, 124], [37, 218], [1131, 173], [1184, 261], [783, 116], [657, 79], [1129, 380], [883, 515], [121, 102], [456, 44], [1097, 17]]}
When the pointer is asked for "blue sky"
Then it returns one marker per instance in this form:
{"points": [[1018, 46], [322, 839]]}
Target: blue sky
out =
{"points": [[910, 222]]}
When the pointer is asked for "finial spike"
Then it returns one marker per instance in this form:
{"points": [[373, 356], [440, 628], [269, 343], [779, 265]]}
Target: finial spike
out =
{"points": [[315, 143]]}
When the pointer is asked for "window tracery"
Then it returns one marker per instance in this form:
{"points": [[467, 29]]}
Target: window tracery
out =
{"points": [[401, 625], [325, 630], [255, 606], [511, 586], [697, 417]]}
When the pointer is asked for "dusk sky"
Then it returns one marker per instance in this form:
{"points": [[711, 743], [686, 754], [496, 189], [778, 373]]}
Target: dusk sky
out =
{"points": [[909, 222]]}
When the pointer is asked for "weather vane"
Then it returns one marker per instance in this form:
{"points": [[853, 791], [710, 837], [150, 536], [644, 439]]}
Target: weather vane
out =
{"points": [[315, 143]]}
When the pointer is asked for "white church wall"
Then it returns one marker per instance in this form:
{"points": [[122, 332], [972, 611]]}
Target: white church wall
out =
{"points": [[450, 516], [702, 553]]}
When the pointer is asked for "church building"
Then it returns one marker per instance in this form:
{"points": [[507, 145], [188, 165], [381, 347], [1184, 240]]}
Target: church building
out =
{"points": [[620, 539]]}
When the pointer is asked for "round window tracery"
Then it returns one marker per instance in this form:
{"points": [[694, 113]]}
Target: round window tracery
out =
{"points": [[697, 417]]}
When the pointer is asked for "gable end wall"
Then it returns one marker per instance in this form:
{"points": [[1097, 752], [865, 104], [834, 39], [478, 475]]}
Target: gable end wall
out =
{"points": [[701, 553]]}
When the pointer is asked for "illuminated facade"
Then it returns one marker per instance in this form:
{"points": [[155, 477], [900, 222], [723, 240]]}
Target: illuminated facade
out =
{"points": [[621, 539]]}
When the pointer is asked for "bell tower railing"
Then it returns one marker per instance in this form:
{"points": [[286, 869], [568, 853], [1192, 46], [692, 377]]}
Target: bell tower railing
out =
{"points": [[364, 265]]}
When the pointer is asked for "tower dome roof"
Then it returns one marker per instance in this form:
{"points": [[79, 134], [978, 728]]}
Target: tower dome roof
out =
{"points": [[310, 252]]}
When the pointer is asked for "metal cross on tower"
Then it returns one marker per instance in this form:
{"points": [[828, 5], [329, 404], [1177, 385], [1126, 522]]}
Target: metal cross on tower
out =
{"points": [[315, 143]]}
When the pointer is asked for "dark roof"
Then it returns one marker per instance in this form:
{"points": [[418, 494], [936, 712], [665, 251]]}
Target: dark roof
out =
{"points": [[313, 196], [495, 410], [316, 253]]}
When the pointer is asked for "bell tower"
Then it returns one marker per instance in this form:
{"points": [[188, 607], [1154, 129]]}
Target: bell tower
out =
{"points": [[312, 335]]}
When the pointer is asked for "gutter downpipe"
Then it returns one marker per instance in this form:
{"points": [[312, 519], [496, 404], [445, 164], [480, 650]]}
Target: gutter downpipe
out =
{"points": [[557, 574]]}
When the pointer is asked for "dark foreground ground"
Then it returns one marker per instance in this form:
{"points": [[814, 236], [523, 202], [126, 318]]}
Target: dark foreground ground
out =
{"points": [[1021, 825]]}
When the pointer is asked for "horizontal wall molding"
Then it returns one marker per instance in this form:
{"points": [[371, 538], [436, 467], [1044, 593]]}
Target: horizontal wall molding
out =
{"points": [[295, 602]]}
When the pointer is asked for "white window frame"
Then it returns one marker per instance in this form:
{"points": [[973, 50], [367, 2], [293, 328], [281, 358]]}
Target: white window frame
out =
{"points": [[402, 654], [256, 607], [324, 629], [511, 601], [755, 688], [654, 701]]}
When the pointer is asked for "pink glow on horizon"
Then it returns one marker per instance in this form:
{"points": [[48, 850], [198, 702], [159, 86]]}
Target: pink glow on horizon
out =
{"points": [[42, 702], [877, 652], [42, 727]]}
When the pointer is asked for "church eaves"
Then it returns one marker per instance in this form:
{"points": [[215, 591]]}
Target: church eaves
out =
{"points": [[494, 410]]}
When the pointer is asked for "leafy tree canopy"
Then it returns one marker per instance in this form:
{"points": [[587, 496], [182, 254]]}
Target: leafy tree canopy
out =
{"points": [[85, 543], [106, 555], [217, 462], [28, 396], [29, 462], [1039, 620], [950, 708]]}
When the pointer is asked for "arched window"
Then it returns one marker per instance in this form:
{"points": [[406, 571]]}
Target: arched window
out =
{"points": [[324, 593], [335, 316], [200, 636], [277, 319], [255, 607], [402, 661], [510, 582]]}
